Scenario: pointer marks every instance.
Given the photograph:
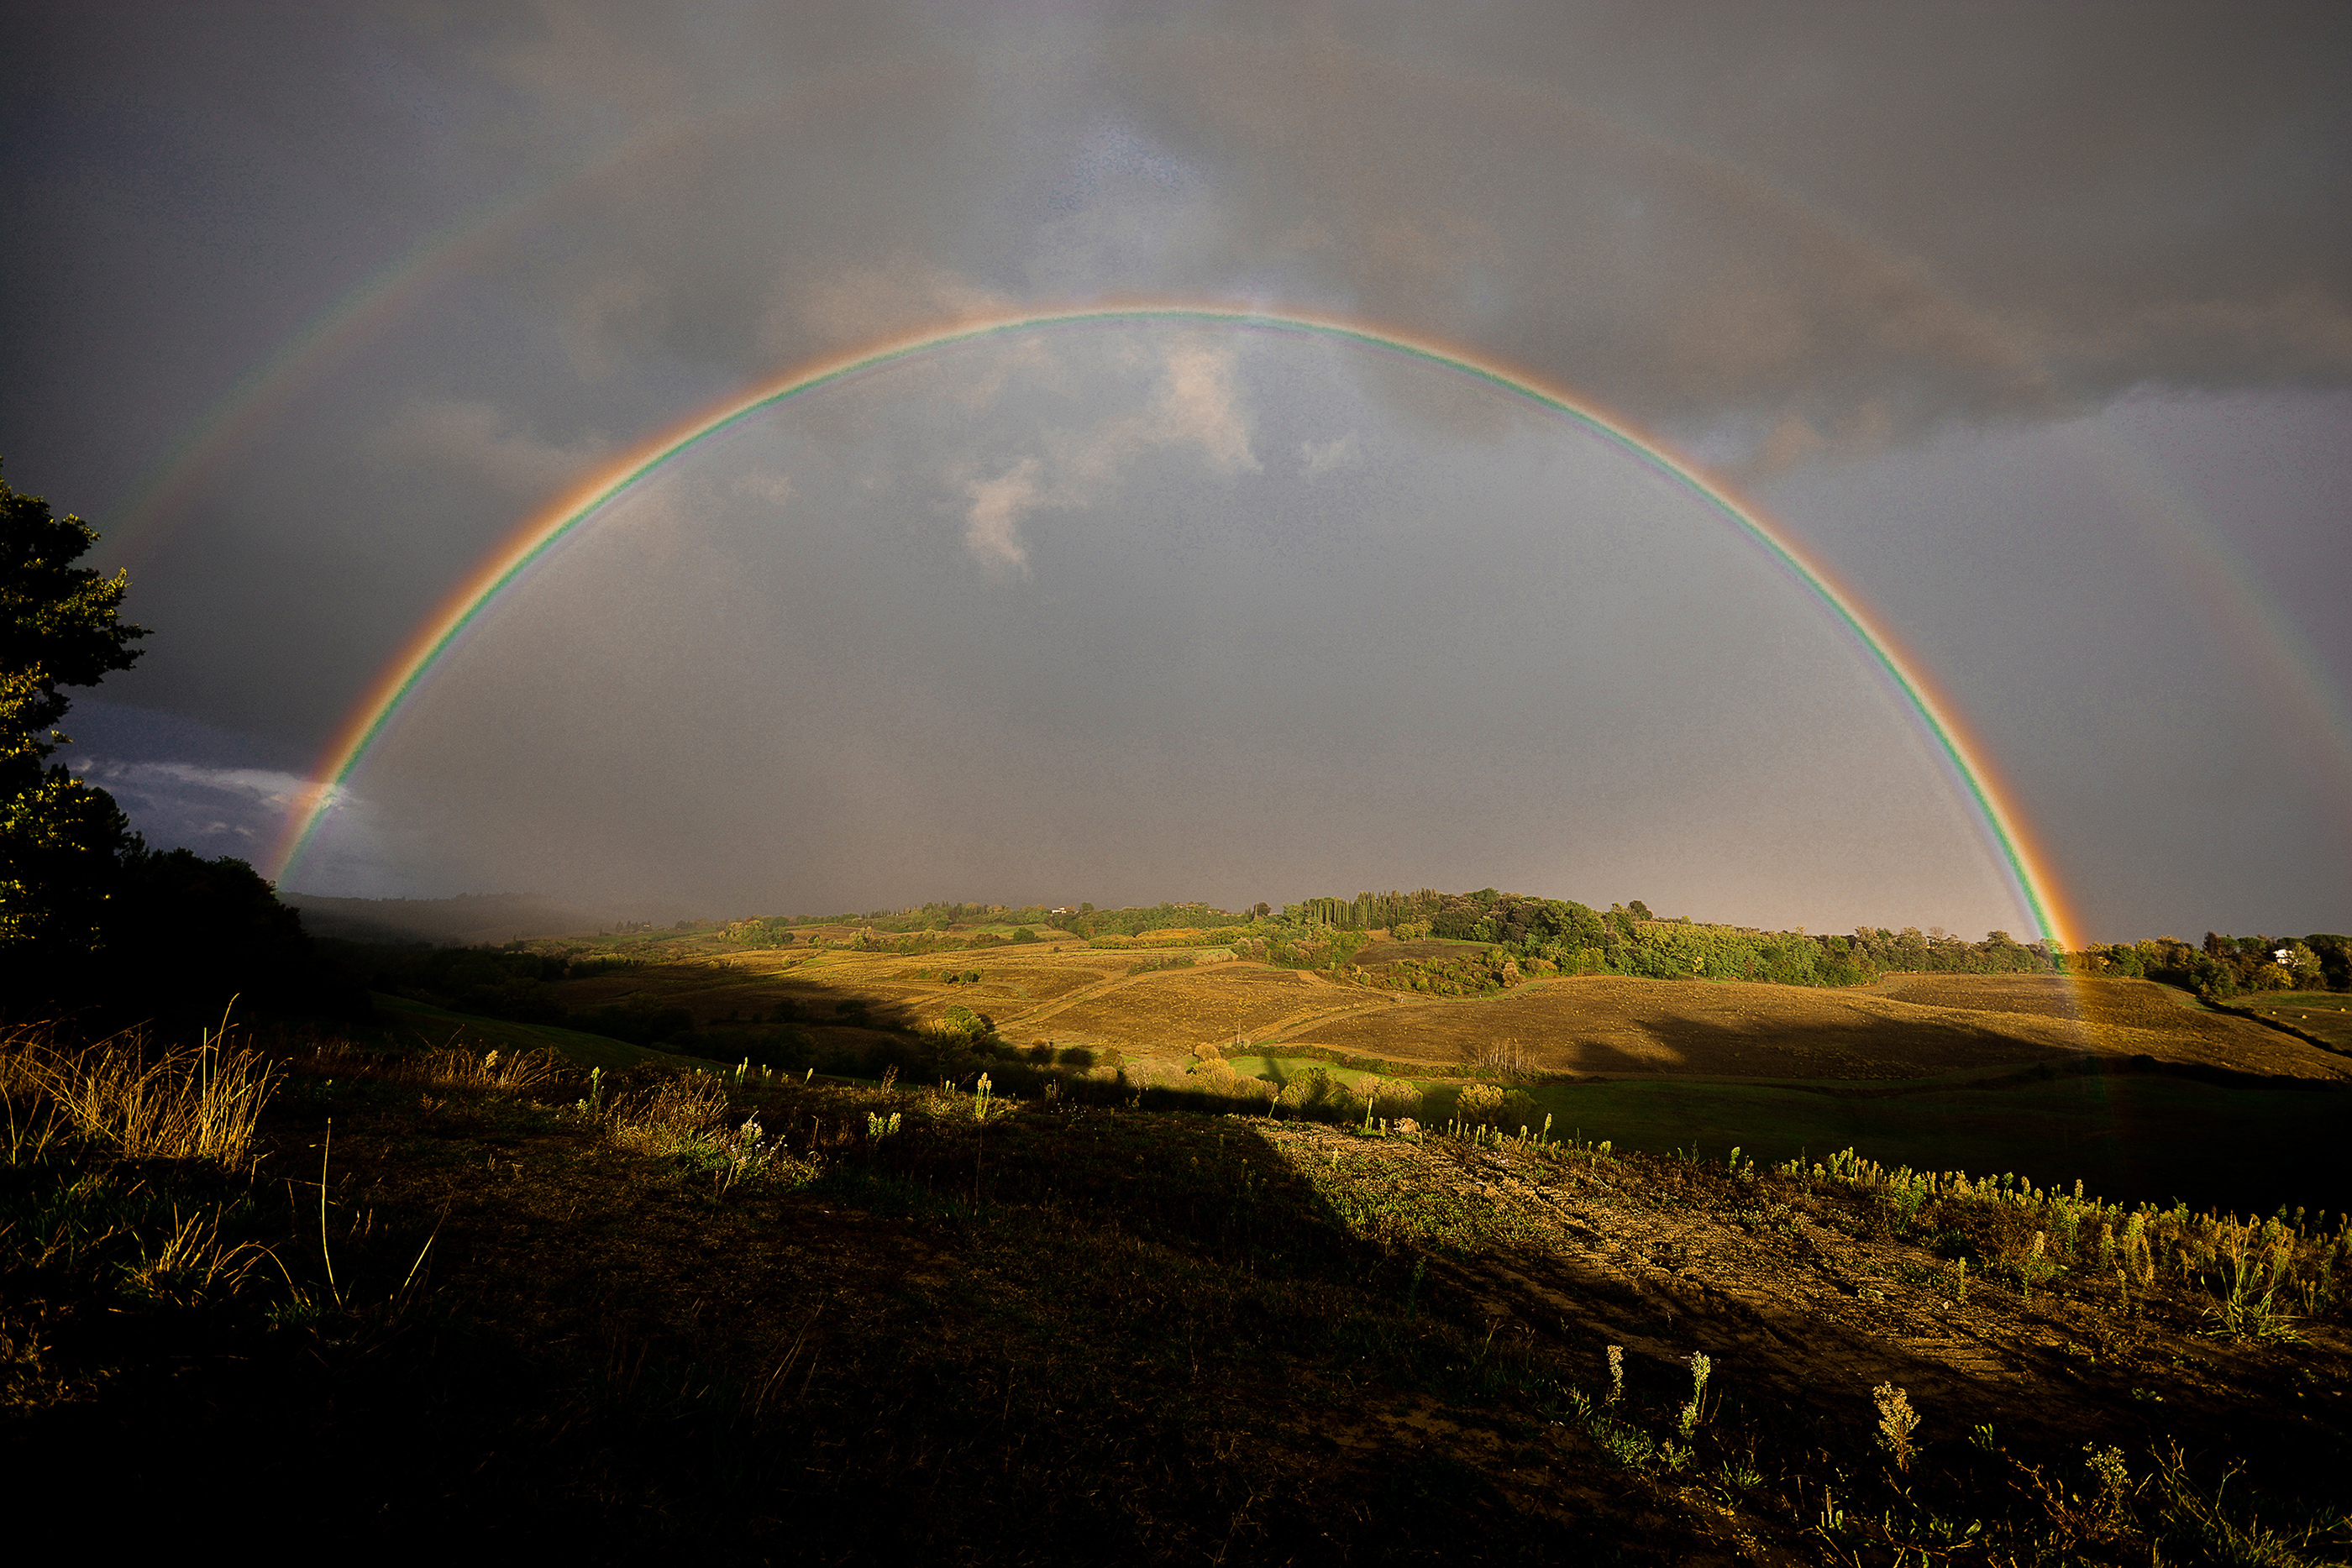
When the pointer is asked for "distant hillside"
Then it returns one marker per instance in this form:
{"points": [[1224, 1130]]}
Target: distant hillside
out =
{"points": [[472, 917]]}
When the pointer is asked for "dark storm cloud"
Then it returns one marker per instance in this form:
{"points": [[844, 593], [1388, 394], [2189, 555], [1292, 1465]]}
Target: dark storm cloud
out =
{"points": [[1826, 222], [1788, 225]]}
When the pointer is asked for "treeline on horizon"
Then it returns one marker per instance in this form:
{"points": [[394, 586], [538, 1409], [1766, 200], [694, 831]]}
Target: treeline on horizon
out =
{"points": [[1506, 938], [1629, 939]]}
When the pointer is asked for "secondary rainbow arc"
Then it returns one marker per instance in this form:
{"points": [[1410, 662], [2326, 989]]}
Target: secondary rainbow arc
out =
{"points": [[545, 530]]}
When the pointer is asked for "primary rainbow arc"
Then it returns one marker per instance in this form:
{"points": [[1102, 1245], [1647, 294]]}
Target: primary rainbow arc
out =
{"points": [[542, 533]]}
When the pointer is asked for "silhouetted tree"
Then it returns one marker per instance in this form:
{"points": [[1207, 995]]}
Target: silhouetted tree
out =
{"points": [[60, 626]]}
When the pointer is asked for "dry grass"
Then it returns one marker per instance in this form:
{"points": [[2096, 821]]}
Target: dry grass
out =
{"points": [[676, 1111], [198, 1103], [192, 1263], [688, 1119], [449, 1067], [457, 1069]]}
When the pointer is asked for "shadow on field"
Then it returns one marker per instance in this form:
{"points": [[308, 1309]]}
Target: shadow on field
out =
{"points": [[1873, 1047], [2131, 1128], [1204, 1183]]}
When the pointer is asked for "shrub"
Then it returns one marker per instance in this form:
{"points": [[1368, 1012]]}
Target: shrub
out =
{"points": [[1481, 1102], [1212, 1075], [1385, 1097], [1316, 1090]]}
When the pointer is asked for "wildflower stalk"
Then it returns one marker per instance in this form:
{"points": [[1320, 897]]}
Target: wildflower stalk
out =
{"points": [[1700, 1366]]}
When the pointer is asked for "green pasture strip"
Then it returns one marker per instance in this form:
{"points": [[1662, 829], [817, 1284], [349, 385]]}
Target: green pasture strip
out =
{"points": [[2133, 1138], [1422, 1072], [1282, 1068], [404, 1022]]}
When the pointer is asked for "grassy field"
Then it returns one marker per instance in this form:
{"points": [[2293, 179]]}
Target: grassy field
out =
{"points": [[2323, 1015], [411, 1024], [1281, 1068], [1012, 981], [411, 1300], [1905, 1026], [2137, 1136]]}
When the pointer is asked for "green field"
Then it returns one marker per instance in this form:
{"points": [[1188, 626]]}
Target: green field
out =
{"points": [[2324, 1016], [2140, 1138], [2132, 1137], [405, 1023], [1282, 1069]]}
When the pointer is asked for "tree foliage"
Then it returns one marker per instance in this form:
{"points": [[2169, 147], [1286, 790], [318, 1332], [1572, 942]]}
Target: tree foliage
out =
{"points": [[60, 626]]}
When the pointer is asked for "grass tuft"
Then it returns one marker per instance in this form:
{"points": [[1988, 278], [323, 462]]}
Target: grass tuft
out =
{"points": [[190, 1103]]}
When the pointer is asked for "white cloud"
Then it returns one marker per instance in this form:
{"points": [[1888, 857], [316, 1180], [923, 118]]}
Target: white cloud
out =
{"points": [[1318, 459], [216, 811], [261, 785], [992, 530], [1196, 403]]}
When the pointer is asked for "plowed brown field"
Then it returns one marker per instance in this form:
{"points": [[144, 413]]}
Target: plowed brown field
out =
{"points": [[1177, 1010]]}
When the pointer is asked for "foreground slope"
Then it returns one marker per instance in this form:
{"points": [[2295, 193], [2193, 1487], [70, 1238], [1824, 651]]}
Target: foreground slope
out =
{"points": [[625, 1319]]}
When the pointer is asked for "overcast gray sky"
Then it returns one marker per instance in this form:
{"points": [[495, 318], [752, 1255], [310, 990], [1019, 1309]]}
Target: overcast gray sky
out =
{"points": [[2032, 324]]}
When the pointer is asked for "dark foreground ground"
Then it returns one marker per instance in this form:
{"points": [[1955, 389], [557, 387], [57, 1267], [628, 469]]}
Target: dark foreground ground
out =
{"points": [[437, 1301]]}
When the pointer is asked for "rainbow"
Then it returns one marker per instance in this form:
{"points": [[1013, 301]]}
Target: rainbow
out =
{"points": [[471, 600]]}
